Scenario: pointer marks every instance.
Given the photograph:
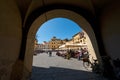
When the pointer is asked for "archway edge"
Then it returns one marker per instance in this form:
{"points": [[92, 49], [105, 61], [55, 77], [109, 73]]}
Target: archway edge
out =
{"points": [[80, 20]]}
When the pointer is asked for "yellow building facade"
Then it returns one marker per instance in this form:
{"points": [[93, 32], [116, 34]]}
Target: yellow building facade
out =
{"points": [[54, 43], [79, 38], [35, 43]]}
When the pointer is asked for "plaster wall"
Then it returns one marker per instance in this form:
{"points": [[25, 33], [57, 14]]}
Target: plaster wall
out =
{"points": [[110, 29], [30, 41], [10, 37], [90, 48]]}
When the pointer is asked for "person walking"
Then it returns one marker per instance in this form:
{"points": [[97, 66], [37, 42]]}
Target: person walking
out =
{"points": [[80, 54], [68, 54], [50, 53]]}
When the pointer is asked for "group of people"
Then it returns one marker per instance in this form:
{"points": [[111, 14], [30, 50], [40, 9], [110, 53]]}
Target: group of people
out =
{"points": [[79, 54], [83, 53]]}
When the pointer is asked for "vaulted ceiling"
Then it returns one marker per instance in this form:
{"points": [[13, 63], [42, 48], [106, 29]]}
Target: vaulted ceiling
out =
{"points": [[27, 7]]}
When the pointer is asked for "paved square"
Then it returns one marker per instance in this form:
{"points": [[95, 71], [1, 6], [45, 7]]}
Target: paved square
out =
{"points": [[58, 68]]}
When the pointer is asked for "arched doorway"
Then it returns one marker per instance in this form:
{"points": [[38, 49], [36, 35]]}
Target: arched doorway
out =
{"points": [[53, 14]]}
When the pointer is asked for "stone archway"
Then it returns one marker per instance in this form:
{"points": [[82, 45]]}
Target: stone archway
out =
{"points": [[81, 21]]}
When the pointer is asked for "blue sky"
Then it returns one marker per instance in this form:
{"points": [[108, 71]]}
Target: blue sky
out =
{"points": [[61, 28]]}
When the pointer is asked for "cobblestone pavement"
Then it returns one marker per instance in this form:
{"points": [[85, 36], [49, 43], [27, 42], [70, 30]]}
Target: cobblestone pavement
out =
{"points": [[58, 68]]}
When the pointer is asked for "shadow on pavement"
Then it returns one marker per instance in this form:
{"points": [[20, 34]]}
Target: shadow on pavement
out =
{"points": [[56, 73]]}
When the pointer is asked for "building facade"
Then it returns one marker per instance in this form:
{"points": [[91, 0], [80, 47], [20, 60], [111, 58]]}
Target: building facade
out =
{"points": [[35, 44], [78, 41], [42, 47], [54, 43]]}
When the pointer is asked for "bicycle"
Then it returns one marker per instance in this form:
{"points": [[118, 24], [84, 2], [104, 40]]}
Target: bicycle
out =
{"points": [[94, 66], [86, 63]]}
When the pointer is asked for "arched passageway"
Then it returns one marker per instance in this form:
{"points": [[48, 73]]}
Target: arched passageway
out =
{"points": [[81, 21], [19, 18]]}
